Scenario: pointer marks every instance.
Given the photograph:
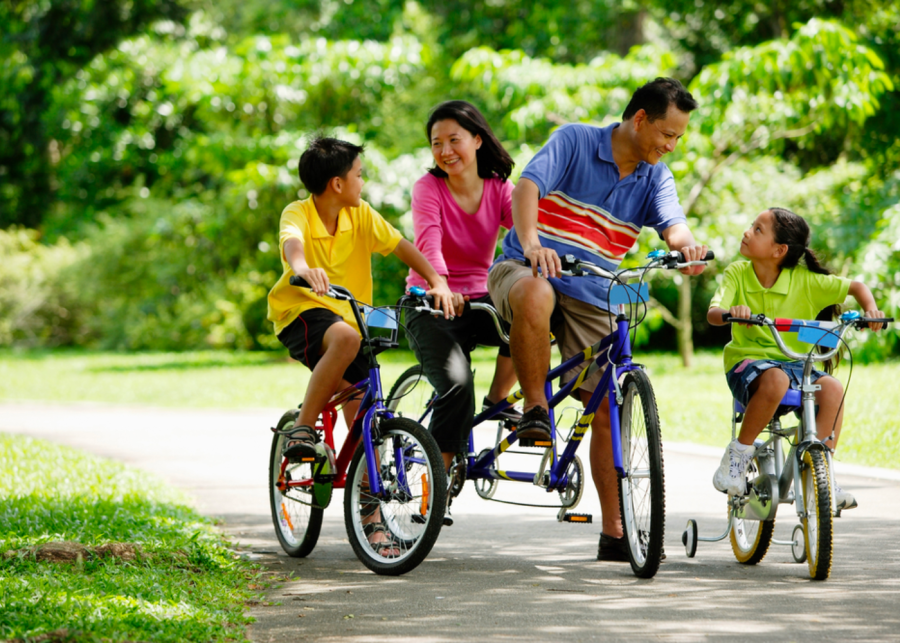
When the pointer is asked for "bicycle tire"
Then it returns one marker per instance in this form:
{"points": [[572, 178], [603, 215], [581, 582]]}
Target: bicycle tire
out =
{"points": [[410, 396], [641, 490], [818, 521], [412, 515], [297, 522], [750, 539]]}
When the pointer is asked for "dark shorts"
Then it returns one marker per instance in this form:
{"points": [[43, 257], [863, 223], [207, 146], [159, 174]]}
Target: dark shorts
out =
{"points": [[303, 338], [742, 376]]}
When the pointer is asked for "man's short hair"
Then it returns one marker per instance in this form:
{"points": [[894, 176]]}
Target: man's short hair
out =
{"points": [[656, 96], [324, 159]]}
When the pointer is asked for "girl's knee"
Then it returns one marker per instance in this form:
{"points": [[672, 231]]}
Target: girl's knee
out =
{"points": [[831, 390]]}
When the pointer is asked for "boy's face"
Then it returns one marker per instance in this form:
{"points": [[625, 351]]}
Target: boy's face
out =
{"points": [[352, 185]]}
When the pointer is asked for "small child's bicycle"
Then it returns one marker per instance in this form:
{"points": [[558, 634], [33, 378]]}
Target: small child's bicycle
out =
{"points": [[395, 485], [634, 422], [804, 476]]}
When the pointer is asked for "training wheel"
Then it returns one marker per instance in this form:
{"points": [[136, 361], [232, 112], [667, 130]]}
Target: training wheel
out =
{"points": [[689, 538], [798, 546], [485, 487]]}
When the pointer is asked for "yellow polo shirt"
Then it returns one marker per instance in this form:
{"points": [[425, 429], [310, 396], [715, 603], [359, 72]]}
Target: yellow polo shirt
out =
{"points": [[796, 294], [346, 258]]}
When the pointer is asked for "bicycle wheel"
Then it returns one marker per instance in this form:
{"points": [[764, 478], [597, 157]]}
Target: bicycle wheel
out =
{"points": [[641, 491], [411, 395], [750, 539], [411, 511], [817, 523], [297, 521]]}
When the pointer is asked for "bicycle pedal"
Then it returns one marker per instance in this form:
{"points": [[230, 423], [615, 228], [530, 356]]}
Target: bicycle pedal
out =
{"points": [[539, 443], [419, 519], [582, 518]]}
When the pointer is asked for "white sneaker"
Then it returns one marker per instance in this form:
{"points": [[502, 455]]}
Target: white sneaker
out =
{"points": [[729, 477], [844, 499]]}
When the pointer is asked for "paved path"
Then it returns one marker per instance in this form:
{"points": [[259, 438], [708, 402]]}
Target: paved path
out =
{"points": [[508, 573]]}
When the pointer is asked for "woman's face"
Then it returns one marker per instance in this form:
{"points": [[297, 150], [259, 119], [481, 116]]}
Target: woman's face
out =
{"points": [[454, 147]]}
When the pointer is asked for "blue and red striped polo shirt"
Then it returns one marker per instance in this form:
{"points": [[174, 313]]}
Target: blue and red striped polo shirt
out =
{"points": [[586, 211]]}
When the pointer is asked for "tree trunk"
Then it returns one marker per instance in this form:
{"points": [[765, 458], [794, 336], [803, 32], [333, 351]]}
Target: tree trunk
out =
{"points": [[685, 327]]}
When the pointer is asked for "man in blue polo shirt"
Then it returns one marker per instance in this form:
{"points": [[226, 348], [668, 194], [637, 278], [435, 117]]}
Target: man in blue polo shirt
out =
{"points": [[588, 193]]}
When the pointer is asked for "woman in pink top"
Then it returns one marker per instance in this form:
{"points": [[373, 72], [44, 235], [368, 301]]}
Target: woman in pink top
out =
{"points": [[458, 209]]}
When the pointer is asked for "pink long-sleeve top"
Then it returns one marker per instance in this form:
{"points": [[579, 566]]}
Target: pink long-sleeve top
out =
{"points": [[459, 245]]}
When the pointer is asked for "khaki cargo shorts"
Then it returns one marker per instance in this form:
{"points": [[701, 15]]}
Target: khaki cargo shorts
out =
{"points": [[575, 324]]}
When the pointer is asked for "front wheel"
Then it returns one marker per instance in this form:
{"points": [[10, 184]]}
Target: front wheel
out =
{"points": [[392, 533], [412, 395], [817, 522], [641, 491], [750, 539], [297, 518]]}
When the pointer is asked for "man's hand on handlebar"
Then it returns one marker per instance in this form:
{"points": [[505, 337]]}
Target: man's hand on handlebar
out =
{"points": [[317, 279], [693, 253], [544, 258]]}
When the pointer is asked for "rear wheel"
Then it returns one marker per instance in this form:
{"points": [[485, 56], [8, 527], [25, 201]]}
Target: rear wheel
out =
{"points": [[297, 519], [641, 491], [392, 533], [411, 396], [817, 523], [750, 539]]}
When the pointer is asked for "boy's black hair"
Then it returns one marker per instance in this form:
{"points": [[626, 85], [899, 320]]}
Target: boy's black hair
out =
{"points": [[656, 96], [493, 160], [324, 159]]}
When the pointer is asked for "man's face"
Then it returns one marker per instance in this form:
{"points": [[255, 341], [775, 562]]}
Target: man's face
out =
{"points": [[657, 138]]}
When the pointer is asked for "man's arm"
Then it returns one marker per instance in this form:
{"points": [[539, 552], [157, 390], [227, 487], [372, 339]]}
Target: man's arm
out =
{"points": [[451, 303], [525, 199], [678, 237]]}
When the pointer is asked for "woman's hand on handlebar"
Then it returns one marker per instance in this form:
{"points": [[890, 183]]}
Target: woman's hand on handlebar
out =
{"points": [[450, 303], [317, 279], [544, 258], [693, 253]]}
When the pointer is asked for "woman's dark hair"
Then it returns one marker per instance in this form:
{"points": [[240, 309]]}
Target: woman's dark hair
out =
{"points": [[493, 160], [324, 159], [791, 230], [656, 96]]}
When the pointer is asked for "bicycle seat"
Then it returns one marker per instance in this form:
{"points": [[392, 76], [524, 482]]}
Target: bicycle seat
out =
{"points": [[791, 400]]}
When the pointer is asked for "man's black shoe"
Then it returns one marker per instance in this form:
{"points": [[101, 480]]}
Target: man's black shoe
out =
{"points": [[534, 425], [616, 549]]}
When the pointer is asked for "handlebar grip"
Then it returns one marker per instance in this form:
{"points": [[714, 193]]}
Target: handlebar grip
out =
{"points": [[300, 282], [567, 262], [728, 319], [709, 256]]}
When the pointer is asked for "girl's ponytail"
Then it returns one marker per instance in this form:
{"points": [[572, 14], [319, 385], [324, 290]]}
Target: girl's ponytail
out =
{"points": [[791, 230]]}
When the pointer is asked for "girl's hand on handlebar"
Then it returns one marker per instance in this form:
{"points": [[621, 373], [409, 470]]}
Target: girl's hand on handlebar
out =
{"points": [[877, 314], [741, 312], [544, 258], [447, 301], [693, 253], [317, 279]]}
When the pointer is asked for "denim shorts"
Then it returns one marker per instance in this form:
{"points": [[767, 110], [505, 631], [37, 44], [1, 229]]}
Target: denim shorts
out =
{"points": [[741, 376]]}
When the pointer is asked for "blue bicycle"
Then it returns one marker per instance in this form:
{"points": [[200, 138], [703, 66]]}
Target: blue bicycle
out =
{"points": [[634, 420], [391, 469]]}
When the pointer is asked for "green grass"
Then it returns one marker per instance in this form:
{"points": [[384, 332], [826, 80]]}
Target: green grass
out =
{"points": [[187, 585], [693, 404]]}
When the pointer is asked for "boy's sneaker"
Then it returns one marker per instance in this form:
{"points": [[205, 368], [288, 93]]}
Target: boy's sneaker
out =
{"points": [[534, 425], [299, 444], [844, 499], [512, 413], [729, 477]]}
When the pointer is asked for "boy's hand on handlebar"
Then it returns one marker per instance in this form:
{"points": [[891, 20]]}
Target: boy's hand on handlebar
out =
{"points": [[317, 279], [877, 314], [544, 258], [694, 253]]}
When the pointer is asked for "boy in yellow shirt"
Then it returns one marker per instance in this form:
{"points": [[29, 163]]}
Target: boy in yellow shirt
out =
{"points": [[329, 238]]}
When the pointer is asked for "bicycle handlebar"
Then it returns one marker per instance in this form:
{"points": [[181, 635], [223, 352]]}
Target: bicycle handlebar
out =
{"points": [[781, 325]]}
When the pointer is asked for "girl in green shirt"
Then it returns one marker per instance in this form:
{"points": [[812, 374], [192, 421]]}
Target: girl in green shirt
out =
{"points": [[776, 283]]}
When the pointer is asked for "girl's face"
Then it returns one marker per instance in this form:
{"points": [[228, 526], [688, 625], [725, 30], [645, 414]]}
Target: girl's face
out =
{"points": [[758, 241], [454, 147]]}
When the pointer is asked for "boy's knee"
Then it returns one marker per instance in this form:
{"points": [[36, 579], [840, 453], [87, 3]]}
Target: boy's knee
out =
{"points": [[343, 337]]}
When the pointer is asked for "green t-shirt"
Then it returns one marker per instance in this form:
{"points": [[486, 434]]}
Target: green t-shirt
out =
{"points": [[797, 294]]}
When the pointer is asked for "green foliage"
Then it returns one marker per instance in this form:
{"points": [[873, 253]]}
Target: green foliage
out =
{"points": [[185, 585]]}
